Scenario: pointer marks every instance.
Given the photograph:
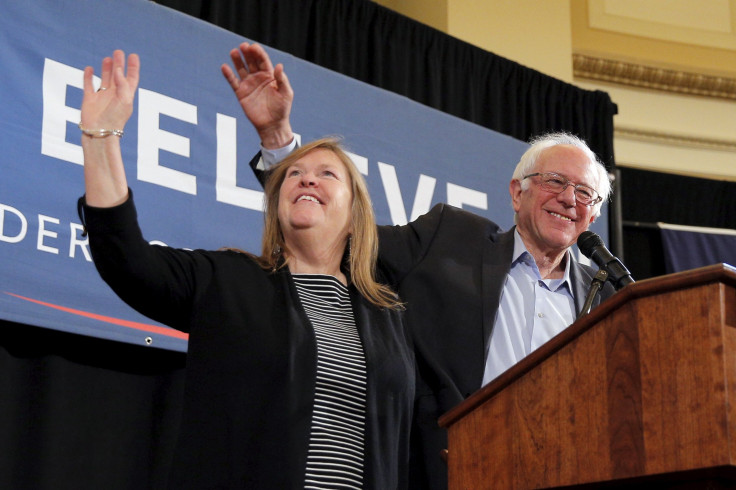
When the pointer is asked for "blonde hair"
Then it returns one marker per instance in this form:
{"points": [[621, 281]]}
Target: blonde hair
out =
{"points": [[363, 243]]}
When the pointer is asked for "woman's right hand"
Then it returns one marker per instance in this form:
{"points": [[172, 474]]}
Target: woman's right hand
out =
{"points": [[108, 108]]}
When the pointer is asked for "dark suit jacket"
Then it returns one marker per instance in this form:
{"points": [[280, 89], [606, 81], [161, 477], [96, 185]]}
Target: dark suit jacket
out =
{"points": [[449, 266]]}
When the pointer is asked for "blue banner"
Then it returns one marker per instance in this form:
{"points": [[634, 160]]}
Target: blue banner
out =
{"points": [[186, 150]]}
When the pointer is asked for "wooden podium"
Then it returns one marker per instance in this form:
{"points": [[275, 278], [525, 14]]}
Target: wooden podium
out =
{"points": [[640, 393]]}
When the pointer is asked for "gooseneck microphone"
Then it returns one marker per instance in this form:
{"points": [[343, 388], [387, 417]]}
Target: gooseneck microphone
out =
{"points": [[591, 245]]}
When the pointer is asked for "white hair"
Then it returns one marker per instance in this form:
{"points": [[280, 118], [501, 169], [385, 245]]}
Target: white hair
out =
{"points": [[529, 160]]}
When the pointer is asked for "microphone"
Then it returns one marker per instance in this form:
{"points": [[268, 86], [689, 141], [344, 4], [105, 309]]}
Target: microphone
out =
{"points": [[591, 245]]}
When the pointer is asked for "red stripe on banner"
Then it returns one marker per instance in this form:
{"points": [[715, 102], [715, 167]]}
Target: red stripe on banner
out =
{"points": [[115, 321]]}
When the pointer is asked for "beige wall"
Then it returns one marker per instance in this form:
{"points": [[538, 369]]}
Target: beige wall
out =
{"points": [[670, 129], [532, 32], [430, 12], [541, 41]]}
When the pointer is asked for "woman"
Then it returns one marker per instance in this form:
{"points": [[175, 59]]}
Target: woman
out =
{"points": [[298, 370]]}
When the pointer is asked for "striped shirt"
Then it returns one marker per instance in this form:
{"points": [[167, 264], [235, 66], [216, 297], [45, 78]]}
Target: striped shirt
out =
{"points": [[336, 442]]}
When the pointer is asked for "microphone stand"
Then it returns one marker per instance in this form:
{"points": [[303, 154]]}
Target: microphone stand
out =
{"points": [[595, 285]]}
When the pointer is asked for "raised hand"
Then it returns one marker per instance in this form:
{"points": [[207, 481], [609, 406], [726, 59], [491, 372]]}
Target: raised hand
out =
{"points": [[263, 91], [104, 114], [111, 106]]}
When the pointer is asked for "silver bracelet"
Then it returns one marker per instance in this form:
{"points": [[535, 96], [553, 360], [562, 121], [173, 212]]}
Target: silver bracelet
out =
{"points": [[100, 133]]}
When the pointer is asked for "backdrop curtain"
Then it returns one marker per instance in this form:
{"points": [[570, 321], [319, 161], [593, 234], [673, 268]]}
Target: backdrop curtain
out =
{"points": [[650, 197], [368, 42], [85, 413]]}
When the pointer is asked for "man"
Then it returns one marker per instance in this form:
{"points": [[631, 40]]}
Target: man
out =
{"points": [[478, 299]]}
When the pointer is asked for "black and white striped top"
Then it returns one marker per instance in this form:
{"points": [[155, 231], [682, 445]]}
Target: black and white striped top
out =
{"points": [[336, 442]]}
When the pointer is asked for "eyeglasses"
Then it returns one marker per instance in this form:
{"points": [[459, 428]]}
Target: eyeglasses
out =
{"points": [[556, 183]]}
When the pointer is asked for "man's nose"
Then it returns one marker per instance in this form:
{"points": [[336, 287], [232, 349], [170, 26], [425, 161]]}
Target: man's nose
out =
{"points": [[568, 195]]}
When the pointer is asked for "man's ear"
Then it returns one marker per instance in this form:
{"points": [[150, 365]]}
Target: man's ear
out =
{"points": [[515, 191]]}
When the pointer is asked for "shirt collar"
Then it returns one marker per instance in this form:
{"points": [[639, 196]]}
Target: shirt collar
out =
{"points": [[522, 255]]}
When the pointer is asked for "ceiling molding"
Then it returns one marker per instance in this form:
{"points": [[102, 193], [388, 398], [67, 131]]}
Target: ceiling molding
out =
{"points": [[673, 139], [668, 80]]}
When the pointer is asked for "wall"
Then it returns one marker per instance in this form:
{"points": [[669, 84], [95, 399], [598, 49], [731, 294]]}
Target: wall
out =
{"points": [[670, 68]]}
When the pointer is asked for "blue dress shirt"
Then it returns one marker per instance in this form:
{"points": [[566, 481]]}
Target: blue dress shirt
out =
{"points": [[532, 311]]}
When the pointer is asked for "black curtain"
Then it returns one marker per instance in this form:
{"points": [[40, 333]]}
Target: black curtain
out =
{"points": [[649, 197], [82, 413], [79, 412], [368, 42]]}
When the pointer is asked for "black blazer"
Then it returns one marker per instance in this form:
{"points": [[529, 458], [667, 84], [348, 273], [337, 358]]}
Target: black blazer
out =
{"points": [[449, 267], [251, 361]]}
